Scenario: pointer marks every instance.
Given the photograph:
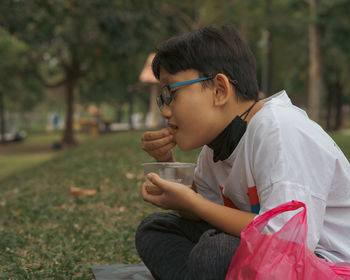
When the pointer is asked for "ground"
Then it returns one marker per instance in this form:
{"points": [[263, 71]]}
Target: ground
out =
{"points": [[45, 232]]}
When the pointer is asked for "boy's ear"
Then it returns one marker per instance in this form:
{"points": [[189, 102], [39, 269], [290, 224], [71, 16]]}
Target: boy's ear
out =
{"points": [[223, 90]]}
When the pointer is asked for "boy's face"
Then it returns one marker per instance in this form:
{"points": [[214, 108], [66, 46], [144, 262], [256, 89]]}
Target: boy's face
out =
{"points": [[191, 113]]}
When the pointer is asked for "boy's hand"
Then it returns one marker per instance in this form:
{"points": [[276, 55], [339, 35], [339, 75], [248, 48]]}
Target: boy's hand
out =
{"points": [[159, 144], [174, 196]]}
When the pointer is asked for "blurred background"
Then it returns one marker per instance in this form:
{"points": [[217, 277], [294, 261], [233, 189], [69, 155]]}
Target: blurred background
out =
{"points": [[75, 66]]}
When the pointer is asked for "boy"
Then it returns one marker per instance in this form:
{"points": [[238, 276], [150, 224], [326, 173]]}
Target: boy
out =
{"points": [[256, 155]]}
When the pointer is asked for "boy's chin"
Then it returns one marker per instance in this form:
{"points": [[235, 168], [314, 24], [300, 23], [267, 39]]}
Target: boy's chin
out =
{"points": [[186, 146]]}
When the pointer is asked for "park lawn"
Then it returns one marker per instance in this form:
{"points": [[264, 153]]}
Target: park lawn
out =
{"points": [[342, 139], [37, 148], [46, 233], [13, 164]]}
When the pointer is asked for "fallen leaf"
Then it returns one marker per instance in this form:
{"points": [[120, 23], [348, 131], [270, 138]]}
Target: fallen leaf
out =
{"points": [[77, 192], [17, 212], [129, 175]]}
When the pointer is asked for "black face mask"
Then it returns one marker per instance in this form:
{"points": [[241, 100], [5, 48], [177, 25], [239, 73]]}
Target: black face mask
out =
{"points": [[225, 143]]}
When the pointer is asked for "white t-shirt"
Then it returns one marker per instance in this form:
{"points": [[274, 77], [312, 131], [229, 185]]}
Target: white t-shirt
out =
{"points": [[285, 156]]}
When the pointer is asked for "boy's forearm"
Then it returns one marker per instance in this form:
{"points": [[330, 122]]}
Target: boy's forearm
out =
{"points": [[227, 219], [189, 215]]}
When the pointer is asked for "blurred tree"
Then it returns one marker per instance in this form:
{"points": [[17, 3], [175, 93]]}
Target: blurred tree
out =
{"points": [[275, 31], [336, 46], [18, 88], [100, 46], [107, 86], [70, 40], [316, 84]]}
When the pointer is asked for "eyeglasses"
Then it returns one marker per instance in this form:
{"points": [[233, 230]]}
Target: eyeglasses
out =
{"points": [[166, 94]]}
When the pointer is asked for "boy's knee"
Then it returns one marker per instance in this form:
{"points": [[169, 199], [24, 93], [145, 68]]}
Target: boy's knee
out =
{"points": [[151, 231], [156, 222], [146, 225], [212, 255], [202, 253]]}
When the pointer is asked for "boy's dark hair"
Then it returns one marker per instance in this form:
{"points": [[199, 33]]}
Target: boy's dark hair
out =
{"points": [[210, 51]]}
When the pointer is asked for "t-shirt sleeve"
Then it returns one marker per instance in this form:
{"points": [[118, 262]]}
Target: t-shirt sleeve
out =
{"points": [[284, 191]]}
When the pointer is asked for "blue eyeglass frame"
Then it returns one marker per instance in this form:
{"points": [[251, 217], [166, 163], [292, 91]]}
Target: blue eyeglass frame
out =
{"points": [[167, 90]]}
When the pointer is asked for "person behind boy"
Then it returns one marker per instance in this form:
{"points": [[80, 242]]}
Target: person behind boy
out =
{"points": [[256, 155]]}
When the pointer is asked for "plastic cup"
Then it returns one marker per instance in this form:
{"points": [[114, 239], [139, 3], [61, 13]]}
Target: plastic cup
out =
{"points": [[178, 172]]}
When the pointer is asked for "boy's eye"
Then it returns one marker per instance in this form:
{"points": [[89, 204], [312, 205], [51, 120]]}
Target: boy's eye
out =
{"points": [[173, 93]]}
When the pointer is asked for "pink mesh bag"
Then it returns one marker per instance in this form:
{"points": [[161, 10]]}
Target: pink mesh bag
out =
{"points": [[282, 255]]}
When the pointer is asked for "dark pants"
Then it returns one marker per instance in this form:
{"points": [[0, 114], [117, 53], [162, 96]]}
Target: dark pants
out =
{"points": [[175, 248]]}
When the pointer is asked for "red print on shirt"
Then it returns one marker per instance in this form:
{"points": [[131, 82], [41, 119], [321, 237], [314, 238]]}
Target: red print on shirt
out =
{"points": [[253, 199], [226, 200]]}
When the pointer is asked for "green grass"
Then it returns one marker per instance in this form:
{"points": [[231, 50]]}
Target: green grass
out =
{"points": [[45, 233], [18, 163], [19, 156], [342, 139]]}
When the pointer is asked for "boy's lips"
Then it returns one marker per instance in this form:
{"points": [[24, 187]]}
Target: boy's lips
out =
{"points": [[172, 128]]}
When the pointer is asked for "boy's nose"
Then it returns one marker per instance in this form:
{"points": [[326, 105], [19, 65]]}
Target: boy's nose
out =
{"points": [[166, 112]]}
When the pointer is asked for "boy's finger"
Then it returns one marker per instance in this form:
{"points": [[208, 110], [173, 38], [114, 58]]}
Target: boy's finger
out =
{"points": [[144, 192], [157, 144], [163, 151], [153, 135], [155, 179], [149, 197]]}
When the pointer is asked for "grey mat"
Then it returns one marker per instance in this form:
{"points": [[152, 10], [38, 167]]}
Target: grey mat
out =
{"points": [[121, 272]]}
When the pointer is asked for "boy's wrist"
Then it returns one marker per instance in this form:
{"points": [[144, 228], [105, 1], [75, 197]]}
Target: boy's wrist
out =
{"points": [[191, 200]]}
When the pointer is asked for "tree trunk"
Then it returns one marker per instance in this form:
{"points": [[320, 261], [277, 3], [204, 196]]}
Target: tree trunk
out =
{"points": [[68, 133], [267, 72], [315, 66], [2, 118], [118, 112], [131, 110], [338, 107], [334, 106], [329, 107]]}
